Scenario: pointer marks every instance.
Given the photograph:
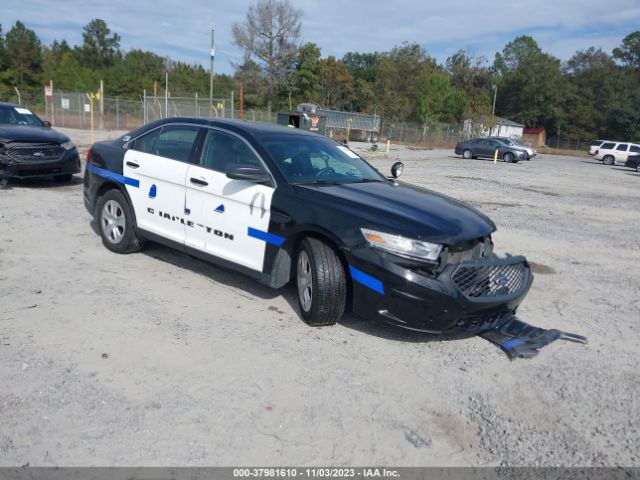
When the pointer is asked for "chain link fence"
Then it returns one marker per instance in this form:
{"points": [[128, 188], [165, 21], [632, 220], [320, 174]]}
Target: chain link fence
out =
{"points": [[74, 110]]}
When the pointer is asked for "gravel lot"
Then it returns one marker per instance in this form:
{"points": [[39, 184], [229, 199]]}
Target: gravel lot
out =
{"points": [[159, 359]]}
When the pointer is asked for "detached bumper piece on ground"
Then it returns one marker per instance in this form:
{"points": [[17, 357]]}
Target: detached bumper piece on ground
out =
{"points": [[521, 340]]}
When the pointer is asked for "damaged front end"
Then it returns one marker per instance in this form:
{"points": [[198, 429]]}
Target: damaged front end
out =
{"points": [[469, 290]]}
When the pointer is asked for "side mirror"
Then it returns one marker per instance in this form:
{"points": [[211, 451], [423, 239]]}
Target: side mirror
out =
{"points": [[396, 169], [46, 124], [249, 173]]}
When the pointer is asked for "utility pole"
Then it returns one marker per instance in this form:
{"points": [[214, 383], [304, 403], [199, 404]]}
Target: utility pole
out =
{"points": [[213, 54], [493, 112]]}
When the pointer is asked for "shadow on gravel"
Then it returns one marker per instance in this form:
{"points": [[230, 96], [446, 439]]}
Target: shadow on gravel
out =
{"points": [[592, 162], [233, 279], [216, 273], [45, 182]]}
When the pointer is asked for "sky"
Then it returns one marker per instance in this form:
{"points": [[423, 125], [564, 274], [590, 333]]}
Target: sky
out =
{"points": [[181, 30]]}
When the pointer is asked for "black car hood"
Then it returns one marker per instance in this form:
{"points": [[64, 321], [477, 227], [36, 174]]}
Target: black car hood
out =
{"points": [[30, 133], [408, 210]]}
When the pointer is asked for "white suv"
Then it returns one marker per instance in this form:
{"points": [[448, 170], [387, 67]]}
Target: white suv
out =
{"points": [[612, 153], [593, 148]]}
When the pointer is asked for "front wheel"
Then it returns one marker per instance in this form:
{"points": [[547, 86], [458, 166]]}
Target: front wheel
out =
{"points": [[321, 282], [116, 223], [467, 154], [638, 168], [508, 157], [608, 160]]}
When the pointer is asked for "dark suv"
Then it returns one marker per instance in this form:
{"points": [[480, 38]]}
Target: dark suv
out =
{"points": [[29, 147]]}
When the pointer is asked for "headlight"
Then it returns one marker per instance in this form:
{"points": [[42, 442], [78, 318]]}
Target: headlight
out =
{"points": [[402, 246], [68, 145]]}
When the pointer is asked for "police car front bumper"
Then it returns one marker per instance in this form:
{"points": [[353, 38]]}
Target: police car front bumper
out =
{"points": [[467, 297]]}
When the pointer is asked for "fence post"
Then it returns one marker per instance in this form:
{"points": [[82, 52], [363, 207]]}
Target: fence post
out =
{"points": [[101, 104], [117, 114], [62, 106]]}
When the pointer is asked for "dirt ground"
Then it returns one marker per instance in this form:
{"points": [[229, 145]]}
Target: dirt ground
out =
{"points": [[159, 359]]}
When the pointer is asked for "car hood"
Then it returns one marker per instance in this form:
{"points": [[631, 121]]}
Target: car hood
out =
{"points": [[29, 133], [407, 210]]}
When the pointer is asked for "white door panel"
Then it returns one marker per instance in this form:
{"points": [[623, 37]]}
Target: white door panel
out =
{"points": [[222, 214], [159, 200]]}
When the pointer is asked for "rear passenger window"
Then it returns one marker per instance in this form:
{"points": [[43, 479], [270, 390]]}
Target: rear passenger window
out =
{"points": [[176, 142], [145, 142], [223, 150], [634, 148], [622, 147]]}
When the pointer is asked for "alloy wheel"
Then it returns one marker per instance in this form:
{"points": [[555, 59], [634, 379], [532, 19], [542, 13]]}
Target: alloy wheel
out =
{"points": [[113, 221]]}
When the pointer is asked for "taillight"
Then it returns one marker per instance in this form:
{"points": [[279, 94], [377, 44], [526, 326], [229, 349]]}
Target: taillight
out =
{"points": [[86, 159]]}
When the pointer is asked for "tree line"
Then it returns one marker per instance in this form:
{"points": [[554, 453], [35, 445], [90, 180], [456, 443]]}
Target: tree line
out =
{"points": [[594, 94]]}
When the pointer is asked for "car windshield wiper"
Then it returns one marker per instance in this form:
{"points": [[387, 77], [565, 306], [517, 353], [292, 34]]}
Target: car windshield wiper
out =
{"points": [[320, 182], [370, 180]]}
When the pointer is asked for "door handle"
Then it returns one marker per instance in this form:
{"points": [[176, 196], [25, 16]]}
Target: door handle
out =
{"points": [[132, 164], [199, 181]]}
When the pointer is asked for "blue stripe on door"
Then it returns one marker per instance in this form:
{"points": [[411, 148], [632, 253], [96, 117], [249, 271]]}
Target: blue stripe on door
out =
{"points": [[270, 238], [116, 177], [366, 280]]}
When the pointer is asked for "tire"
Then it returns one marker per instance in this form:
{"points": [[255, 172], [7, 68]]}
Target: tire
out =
{"points": [[117, 223], [467, 154], [508, 157], [321, 283], [608, 160], [638, 168], [66, 178]]}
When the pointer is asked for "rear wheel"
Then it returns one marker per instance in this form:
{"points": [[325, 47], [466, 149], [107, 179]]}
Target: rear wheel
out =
{"points": [[116, 223], [638, 168], [321, 283], [608, 160], [508, 157], [467, 154]]}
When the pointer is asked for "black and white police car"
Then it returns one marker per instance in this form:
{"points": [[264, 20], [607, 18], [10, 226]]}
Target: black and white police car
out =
{"points": [[281, 204]]}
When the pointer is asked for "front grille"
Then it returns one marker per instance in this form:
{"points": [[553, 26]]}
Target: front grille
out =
{"points": [[486, 281], [27, 153]]}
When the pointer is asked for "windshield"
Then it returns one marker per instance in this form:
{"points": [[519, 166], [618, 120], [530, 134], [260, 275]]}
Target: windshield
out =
{"points": [[10, 115], [305, 160]]}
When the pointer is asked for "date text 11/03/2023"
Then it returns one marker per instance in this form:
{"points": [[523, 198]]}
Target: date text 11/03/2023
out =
{"points": [[316, 472]]}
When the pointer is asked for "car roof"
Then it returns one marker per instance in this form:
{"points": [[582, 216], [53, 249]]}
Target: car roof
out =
{"points": [[242, 125], [618, 143]]}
